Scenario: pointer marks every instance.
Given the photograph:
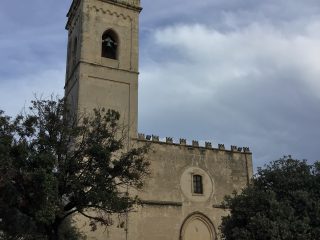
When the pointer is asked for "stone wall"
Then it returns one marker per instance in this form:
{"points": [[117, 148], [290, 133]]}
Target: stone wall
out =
{"points": [[169, 209]]}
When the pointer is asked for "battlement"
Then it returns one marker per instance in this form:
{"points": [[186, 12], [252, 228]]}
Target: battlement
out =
{"points": [[194, 143]]}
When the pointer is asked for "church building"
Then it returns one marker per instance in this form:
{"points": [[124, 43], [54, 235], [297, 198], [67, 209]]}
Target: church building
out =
{"points": [[181, 200]]}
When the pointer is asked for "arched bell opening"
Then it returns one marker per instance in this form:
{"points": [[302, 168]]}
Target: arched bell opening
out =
{"points": [[110, 45]]}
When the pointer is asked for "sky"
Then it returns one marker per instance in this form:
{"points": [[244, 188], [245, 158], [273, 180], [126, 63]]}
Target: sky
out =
{"points": [[238, 72]]}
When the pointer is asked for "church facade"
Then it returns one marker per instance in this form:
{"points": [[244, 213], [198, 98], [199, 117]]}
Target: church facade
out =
{"points": [[181, 200]]}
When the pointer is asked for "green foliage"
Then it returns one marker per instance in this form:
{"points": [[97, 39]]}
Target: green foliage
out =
{"points": [[282, 202], [67, 231], [54, 164]]}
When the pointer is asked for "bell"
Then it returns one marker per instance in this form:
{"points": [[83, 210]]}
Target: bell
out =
{"points": [[109, 44]]}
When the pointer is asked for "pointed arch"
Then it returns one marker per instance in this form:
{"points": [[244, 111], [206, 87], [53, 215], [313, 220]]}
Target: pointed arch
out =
{"points": [[197, 226], [110, 44]]}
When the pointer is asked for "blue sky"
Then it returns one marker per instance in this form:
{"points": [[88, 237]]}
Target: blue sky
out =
{"points": [[240, 72]]}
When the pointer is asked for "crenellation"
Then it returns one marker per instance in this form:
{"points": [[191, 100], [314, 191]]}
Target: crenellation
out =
{"points": [[141, 136], [221, 147], [208, 145], [155, 138], [169, 140], [234, 148], [246, 150], [183, 141], [195, 143]]}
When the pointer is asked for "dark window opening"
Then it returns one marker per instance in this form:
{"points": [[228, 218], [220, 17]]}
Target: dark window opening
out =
{"points": [[109, 45], [197, 184]]}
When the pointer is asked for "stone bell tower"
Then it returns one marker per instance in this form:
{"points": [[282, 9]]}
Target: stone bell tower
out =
{"points": [[102, 62], [181, 199]]}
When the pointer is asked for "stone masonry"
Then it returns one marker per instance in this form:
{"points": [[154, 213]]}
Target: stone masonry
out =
{"points": [[181, 200]]}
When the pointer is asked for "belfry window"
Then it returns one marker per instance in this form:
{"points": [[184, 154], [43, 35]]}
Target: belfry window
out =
{"points": [[109, 45], [197, 184]]}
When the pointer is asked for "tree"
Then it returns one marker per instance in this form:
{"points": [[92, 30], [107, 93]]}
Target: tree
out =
{"points": [[54, 164], [282, 202]]}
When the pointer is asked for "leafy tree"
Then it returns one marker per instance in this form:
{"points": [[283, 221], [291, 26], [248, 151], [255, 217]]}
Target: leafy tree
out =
{"points": [[54, 164], [282, 202], [68, 231]]}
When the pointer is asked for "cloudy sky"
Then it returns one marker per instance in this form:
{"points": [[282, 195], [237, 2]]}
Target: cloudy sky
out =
{"points": [[240, 72]]}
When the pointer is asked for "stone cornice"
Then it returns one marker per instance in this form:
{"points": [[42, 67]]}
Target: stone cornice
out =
{"points": [[72, 11], [107, 11], [70, 76], [161, 203], [131, 4]]}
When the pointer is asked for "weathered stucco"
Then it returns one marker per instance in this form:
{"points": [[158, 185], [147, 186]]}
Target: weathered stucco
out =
{"points": [[93, 81], [169, 210], [167, 198]]}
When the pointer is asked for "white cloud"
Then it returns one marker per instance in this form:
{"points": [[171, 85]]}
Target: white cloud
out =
{"points": [[255, 51], [15, 94], [255, 86], [239, 72]]}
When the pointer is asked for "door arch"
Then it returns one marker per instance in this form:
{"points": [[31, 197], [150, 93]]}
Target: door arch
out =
{"points": [[197, 227]]}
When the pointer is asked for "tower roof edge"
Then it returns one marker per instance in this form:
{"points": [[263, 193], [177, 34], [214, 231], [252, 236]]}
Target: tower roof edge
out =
{"points": [[74, 6], [133, 3]]}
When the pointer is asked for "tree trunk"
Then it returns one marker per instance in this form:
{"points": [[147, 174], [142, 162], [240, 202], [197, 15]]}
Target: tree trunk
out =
{"points": [[54, 232], [54, 235]]}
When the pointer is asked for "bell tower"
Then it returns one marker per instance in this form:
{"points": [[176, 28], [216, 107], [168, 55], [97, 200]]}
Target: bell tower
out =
{"points": [[102, 62]]}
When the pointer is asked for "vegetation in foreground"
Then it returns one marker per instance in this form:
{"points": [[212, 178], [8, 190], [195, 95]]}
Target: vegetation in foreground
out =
{"points": [[282, 202], [54, 164]]}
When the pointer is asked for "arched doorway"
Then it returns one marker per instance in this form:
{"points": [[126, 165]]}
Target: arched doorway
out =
{"points": [[197, 227]]}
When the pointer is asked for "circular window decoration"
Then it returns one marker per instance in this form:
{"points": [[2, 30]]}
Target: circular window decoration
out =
{"points": [[196, 184]]}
